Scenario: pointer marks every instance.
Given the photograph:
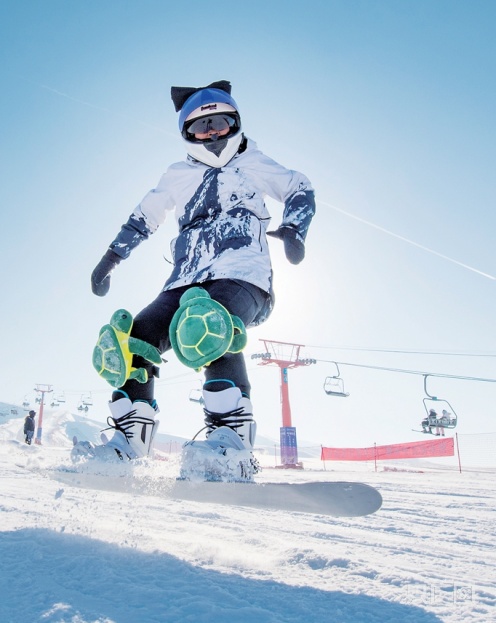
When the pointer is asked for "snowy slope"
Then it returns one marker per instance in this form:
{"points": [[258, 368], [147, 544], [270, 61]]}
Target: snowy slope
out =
{"points": [[75, 555]]}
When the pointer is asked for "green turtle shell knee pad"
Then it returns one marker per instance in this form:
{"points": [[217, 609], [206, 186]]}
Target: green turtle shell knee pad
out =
{"points": [[113, 353], [202, 330]]}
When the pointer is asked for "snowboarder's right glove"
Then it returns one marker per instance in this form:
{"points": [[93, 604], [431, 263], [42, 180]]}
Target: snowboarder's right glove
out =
{"points": [[100, 277], [294, 247]]}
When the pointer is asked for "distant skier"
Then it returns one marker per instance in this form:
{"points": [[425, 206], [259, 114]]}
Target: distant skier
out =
{"points": [[218, 196], [29, 427]]}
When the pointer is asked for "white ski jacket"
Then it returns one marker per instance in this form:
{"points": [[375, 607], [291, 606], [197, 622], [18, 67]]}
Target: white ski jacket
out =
{"points": [[221, 216]]}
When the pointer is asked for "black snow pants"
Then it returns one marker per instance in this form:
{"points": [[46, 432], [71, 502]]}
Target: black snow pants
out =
{"points": [[152, 325]]}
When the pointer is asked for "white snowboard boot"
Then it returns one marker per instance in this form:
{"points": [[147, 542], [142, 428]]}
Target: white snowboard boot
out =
{"points": [[226, 453], [134, 427]]}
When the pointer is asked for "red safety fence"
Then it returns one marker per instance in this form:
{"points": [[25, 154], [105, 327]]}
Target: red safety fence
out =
{"points": [[413, 450]]}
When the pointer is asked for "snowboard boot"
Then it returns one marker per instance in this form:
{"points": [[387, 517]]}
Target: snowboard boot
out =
{"points": [[226, 453], [134, 427]]}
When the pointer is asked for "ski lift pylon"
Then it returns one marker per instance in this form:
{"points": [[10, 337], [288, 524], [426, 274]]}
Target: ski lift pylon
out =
{"points": [[334, 385]]}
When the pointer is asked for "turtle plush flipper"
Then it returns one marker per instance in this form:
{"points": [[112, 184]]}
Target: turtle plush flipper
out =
{"points": [[145, 350], [139, 374], [240, 338]]}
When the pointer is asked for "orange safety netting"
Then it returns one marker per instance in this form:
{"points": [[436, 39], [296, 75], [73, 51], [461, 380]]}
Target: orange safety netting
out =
{"points": [[413, 450]]}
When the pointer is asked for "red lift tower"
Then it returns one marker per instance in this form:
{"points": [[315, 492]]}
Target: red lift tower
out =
{"points": [[285, 355], [42, 389]]}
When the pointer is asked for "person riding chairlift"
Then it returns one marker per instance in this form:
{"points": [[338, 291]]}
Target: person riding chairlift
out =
{"points": [[429, 422]]}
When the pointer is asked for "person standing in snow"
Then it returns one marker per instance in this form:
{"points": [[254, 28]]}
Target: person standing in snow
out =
{"points": [[217, 194], [29, 427]]}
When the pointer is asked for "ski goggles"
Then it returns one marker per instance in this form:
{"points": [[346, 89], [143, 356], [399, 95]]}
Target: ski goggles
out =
{"points": [[211, 127]]}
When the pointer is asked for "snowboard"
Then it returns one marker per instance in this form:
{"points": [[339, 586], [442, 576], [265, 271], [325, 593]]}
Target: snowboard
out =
{"points": [[339, 499], [334, 498]]}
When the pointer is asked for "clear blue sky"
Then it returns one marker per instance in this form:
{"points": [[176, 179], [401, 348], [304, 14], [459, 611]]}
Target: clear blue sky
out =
{"points": [[387, 106]]}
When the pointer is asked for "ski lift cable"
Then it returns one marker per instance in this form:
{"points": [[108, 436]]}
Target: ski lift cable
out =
{"points": [[184, 377], [404, 351], [408, 241], [403, 371]]}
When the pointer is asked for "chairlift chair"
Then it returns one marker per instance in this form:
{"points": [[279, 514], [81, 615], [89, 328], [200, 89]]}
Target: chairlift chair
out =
{"points": [[57, 399], [446, 415], [87, 400], [85, 403], [334, 385]]}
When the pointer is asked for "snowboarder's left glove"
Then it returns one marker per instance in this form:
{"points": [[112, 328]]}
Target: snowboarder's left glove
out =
{"points": [[100, 277], [294, 247]]}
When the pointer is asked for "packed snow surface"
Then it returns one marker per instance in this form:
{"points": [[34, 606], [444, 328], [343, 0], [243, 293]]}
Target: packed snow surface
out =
{"points": [[76, 554]]}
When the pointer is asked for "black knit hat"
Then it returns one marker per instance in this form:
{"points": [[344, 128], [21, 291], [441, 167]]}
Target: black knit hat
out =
{"points": [[179, 95]]}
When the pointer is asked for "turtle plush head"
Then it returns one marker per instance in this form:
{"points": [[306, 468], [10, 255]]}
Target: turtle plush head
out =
{"points": [[122, 320]]}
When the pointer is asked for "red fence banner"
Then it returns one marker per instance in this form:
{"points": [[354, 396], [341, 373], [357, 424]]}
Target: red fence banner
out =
{"points": [[413, 450]]}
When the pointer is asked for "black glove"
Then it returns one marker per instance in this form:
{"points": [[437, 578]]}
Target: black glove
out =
{"points": [[100, 277], [294, 247]]}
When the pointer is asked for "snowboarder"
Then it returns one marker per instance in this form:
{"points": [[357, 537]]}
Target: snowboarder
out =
{"points": [[218, 197], [29, 427]]}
